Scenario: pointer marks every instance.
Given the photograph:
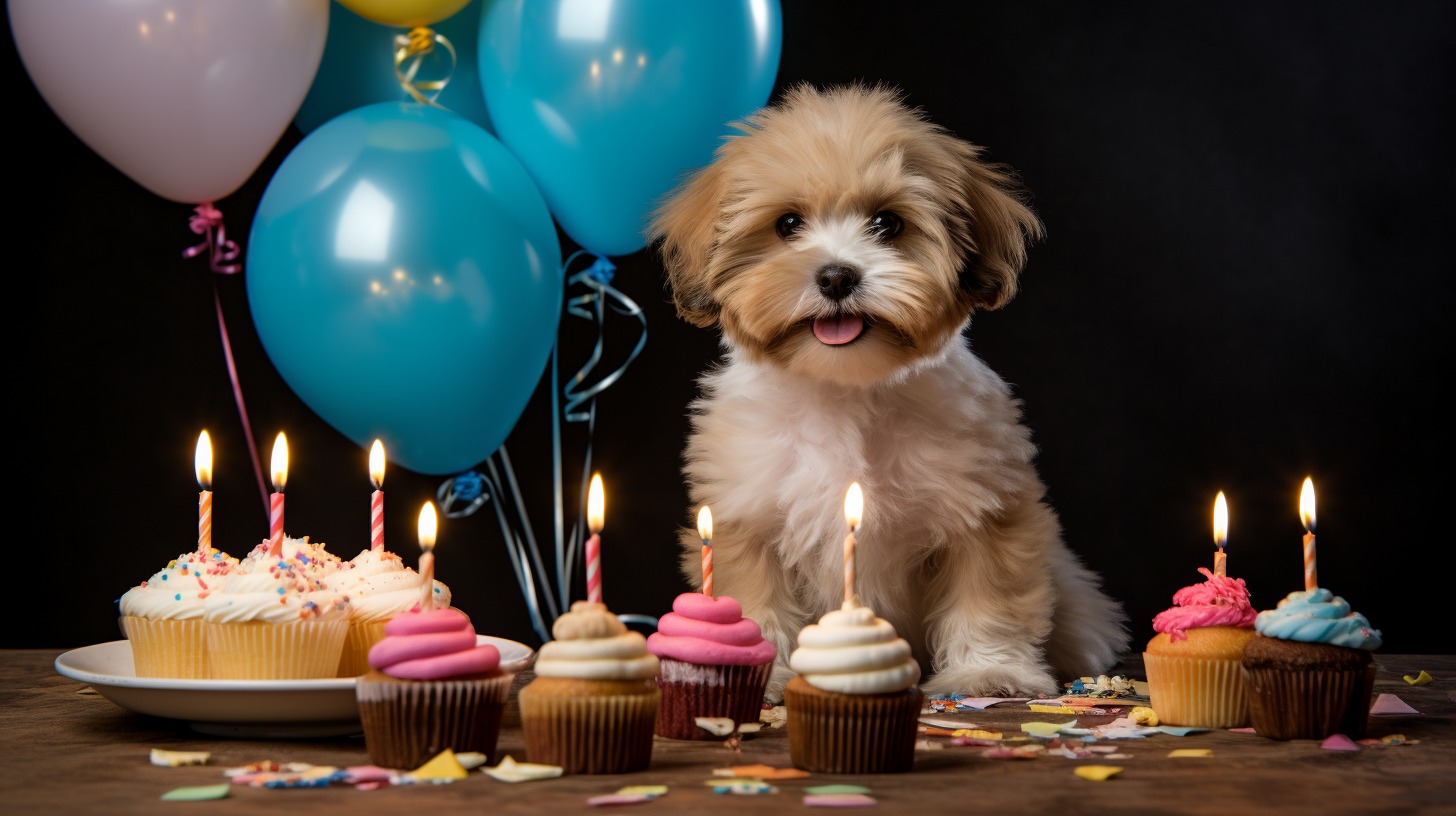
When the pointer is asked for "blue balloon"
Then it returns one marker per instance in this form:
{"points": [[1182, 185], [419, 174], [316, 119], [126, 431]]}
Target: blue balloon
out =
{"points": [[609, 104], [404, 276], [357, 68]]}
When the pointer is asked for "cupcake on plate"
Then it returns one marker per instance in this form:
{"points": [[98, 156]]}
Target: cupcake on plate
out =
{"points": [[593, 702], [1310, 669], [853, 705], [275, 617], [379, 586], [431, 686], [162, 616], [713, 663], [1195, 677]]}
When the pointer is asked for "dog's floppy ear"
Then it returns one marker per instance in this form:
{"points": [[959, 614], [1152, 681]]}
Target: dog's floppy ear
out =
{"points": [[991, 220], [684, 227]]}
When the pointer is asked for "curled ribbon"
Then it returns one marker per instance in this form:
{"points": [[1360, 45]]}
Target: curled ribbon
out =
{"points": [[411, 51]]}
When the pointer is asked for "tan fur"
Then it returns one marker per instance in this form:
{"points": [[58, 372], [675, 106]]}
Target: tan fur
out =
{"points": [[957, 548]]}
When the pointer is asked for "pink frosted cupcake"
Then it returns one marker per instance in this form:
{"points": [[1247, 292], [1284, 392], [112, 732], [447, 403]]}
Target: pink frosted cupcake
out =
{"points": [[431, 687], [713, 663], [1195, 677]]}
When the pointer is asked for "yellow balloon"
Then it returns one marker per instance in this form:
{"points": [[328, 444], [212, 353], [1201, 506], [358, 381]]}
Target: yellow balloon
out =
{"points": [[405, 13]]}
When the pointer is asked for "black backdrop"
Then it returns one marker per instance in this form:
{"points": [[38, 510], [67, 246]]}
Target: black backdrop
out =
{"points": [[1245, 281]]}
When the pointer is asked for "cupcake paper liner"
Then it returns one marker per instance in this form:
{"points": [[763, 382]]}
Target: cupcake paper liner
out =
{"points": [[589, 726], [851, 733], [1309, 704], [167, 648], [406, 722], [255, 650], [361, 637], [691, 690], [1198, 692]]}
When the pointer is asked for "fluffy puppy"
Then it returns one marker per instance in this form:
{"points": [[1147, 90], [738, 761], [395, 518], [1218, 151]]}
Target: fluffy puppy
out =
{"points": [[840, 243]]}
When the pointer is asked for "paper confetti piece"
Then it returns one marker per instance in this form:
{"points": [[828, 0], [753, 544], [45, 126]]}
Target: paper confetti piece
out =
{"points": [[1097, 773], [1190, 752], [1143, 715], [1389, 705], [444, 765], [838, 800], [743, 787], [367, 773], [730, 779], [510, 770], [1398, 739], [1045, 729], [767, 772], [1180, 730], [618, 799], [717, 726], [1242, 731], [1339, 742], [470, 760], [940, 722], [643, 790], [983, 703], [198, 794], [828, 789], [176, 759], [1420, 679]]}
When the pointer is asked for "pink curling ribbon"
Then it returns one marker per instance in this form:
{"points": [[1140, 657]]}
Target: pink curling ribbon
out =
{"points": [[206, 221]]}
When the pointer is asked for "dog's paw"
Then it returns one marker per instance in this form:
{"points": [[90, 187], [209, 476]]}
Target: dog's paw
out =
{"points": [[773, 693], [991, 681]]}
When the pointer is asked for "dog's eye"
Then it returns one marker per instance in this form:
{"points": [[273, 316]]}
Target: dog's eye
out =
{"points": [[886, 225], [788, 224]]}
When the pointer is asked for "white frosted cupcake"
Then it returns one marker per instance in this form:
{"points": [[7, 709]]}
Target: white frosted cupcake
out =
{"points": [[379, 586], [854, 704], [162, 616]]}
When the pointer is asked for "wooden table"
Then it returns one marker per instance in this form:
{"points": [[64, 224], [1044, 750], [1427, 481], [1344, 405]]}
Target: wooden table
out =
{"points": [[72, 752]]}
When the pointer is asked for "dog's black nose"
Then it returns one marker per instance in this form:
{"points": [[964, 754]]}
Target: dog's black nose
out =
{"points": [[837, 281]]}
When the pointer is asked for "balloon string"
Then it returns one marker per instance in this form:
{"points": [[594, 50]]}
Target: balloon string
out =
{"points": [[410, 53], [207, 221]]}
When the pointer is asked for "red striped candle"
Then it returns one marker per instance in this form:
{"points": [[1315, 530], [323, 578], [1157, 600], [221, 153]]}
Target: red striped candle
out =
{"points": [[203, 462], [595, 519], [1306, 516], [280, 480], [705, 532], [376, 499]]}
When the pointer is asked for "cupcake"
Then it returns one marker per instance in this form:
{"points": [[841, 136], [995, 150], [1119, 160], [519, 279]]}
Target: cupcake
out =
{"points": [[593, 702], [275, 617], [431, 687], [1193, 663], [852, 707], [162, 616], [713, 663], [1310, 668], [379, 587]]}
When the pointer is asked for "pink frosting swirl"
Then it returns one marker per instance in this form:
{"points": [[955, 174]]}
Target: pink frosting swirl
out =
{"points": [[1218, 601], [709, 631], [432, 645]]}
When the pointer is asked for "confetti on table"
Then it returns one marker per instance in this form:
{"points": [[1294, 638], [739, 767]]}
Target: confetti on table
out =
{"points": [[1097, 773], [983, 703], [1420, 679], [1045, 729], [939, 722], [443, 765], [1389, 705], [838, 800], [470, 760], [1242, 731], [762, 772], [1043, 708], [644, 790], [618, 799], [510, 770], [1019, 752], [176, 759], [1398, 739], [1339, 742], [827, 789], [367, 773], [1190, 753], [1142, 715], [743, 787], [201, 793], [1180, 730], [774, 717], [717, 726]]}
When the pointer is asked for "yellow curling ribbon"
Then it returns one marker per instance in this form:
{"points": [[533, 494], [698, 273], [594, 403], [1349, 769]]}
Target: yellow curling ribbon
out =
{"points": [[411, 52]]}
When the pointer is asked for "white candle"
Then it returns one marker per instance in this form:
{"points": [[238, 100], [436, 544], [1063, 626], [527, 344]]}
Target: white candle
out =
{"points": [[853, 511], [1220, 534], [428, 527]]}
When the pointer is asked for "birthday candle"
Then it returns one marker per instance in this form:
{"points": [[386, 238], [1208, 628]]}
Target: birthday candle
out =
{"points": [[1220, 534], [705, 532], [280, 480], [428, 526], [1306, 516], [202, 461], [595, 510], [853, 509], [376, 499]]}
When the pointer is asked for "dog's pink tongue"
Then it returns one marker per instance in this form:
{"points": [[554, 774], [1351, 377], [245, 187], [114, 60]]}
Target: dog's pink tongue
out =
{"points": [[838, 330]]}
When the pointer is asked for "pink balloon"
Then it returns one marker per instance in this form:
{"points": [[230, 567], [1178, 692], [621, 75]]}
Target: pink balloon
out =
{"points": [[186, 98]]}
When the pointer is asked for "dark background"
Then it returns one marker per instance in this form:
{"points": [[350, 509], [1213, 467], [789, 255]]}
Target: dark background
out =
{"points": [[1245, 280]]}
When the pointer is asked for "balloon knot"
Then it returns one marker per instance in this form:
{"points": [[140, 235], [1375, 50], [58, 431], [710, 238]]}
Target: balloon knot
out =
{"points": [[468, 486], [602, 270], [206, 220], [421, 40]]}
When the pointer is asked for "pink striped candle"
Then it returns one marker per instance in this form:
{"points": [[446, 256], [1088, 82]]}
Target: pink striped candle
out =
{"points": [[595, 518], [428, 527], [1306, 516], [203, 463], [705, 532], [853, 511], [376, 499], [280, 480]]}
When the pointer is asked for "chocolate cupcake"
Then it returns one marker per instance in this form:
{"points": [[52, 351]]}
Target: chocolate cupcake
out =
{"points": [[713, 663]]}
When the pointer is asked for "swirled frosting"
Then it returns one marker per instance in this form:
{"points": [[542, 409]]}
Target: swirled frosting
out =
{"points": [[1318, 616], [851, 651], [1218, 601], [314, 556], [278, 589], [591, 644], [176, 591], [709, 631], [433, 645], [380, 586]]}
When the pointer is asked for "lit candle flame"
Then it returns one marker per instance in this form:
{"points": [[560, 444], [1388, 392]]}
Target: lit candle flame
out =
{"points": [[853, 506], [705, 524], [376, 465], [428, 527], [280, 463], [595, 505], [1306, 505], [1220, 520], [203, 461]]}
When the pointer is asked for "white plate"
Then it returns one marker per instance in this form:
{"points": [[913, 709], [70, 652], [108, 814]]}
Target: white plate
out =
{"points": [[237, 708]]}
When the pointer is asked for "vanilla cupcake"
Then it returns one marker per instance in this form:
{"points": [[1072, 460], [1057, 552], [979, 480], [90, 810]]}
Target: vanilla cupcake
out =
{"points": [[1193, 663], [852, 708], [162, 616], [593, 703], [379, 586]]}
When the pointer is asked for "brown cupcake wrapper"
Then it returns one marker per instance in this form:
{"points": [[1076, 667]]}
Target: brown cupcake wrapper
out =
{"points": [[1197, 692], [1309, 704], [691, 690], [255, 650], [851, 733], [588, 733], [170, 648], [408, 722]]}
